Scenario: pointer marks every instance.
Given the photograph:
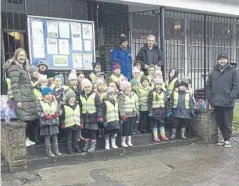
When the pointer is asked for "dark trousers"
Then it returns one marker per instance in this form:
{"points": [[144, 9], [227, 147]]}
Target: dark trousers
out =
{"points": [[180, 122], [33, 130], [143, 124], [90, 134], [224, 117], [154, 123], [128, 126], [72, 137]]}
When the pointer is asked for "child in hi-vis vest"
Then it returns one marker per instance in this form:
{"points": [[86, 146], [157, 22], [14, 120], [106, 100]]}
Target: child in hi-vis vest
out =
{"points": [[49, 112], [111, 118], [172, 82], [181, 108], [71, 122], [129, 112], [157, 103], [91, 113], [96, 69]]}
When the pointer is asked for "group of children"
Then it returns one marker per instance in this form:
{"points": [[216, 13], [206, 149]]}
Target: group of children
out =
{"points": [[109, 106]]}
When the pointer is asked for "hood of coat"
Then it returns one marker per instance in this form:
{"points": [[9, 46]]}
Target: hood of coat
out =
{"points": [[145, 47], [227, 67], [11, 62]]}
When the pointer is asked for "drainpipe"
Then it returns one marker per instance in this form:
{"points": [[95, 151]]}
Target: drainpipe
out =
{"points": [[161, 33]]}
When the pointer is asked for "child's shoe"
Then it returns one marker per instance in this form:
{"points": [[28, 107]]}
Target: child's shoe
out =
{"points": [[92, 146], [86, 146], [174, 132], [107, 144], [123, 144], [227, 144], [183, 133], [156, 140], [164, 138], [129, 141], [56, 149], [220, 143]]}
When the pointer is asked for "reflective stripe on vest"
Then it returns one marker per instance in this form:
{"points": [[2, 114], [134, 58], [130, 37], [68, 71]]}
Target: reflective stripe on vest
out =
{"points": [[143, 99], [103, 95], [88, 105], [92, 77], [171, 86], [9, 88], [72, 117], [129, 103], [175, 99], [37, 94], [161, 100], [49, 108], [112, 111]]}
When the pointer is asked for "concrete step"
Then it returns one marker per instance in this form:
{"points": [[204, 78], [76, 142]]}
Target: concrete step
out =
{"points": [[37, 159]]}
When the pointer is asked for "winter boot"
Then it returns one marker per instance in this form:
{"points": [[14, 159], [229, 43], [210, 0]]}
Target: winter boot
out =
{"points": [[162, 134], [107, 143], [86, 146], [92, 146], [183, 133], [220, 141], [155, 134], [174, 132], [123, 144], [77, 149], [129, 138], [69, 147], [227, 144], [48, 151], [113, 145], [56, 149]]}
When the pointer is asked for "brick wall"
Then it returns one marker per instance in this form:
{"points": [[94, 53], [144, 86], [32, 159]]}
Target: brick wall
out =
{"points": [[13, 144]]}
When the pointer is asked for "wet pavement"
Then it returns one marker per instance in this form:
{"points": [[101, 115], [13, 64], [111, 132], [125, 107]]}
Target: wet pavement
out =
{"points": [[193, 165]]}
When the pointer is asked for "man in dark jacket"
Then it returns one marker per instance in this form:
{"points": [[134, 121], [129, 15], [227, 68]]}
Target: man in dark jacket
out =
{"points": [[150, 54], [222, 89]]}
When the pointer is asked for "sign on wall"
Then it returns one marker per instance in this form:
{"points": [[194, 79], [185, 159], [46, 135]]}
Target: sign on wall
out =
{"points": [[63, 43]]}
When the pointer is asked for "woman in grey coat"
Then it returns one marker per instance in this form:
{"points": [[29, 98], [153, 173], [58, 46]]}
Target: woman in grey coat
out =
{"points": [[16, 70]]}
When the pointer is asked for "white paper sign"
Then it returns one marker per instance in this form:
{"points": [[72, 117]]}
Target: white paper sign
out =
{"points": [[63, 46], [87, 46], [87, 31], [76, 30], [64, 30], [38, 40], [87, 61], [52, 46], [52, 29], [76, 44], [77, 61]]}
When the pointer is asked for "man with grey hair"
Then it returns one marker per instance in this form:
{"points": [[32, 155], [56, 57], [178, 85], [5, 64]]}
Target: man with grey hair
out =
{"points": [[150, 54]]}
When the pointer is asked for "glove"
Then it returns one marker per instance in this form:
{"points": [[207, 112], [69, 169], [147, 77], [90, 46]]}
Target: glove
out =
{"points": [[63, 126], [193, 113], [100, 120], [150, 114], [169, 114], [48, 117], [81, 125], [123, 118], [105, 124], [57, 115]]}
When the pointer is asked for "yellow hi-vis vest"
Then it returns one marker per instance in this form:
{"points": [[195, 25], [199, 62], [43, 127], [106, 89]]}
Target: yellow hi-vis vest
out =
{"points": [[130, 103], [72, 117], [88, 105], [175, 99], [161, 100], [37, 94], [9, 88], [143, 99], [116, 78], [171, 86], [92, 77], [112, 111], [49, 108]]}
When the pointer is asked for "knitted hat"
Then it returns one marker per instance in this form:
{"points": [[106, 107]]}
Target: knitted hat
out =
{"points": [[99, 82], [42, 78], [69, 95], [85, 82], [143, 78], [46, 90], [123, 38], [116, 66], [110, 90], [124, 85], [188, 81], [223, 55], [72, 75], [137, 62], [42, 62], [134, 82], [98, 74], [183, 83], [32, 69], [135, 70], [50, 74], [60, 76], [157, 81], [157, 72], [94, 64]]}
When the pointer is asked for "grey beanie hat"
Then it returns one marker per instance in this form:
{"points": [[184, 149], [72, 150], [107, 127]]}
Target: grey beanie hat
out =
{"points": [[32, 69], [69, 95]]}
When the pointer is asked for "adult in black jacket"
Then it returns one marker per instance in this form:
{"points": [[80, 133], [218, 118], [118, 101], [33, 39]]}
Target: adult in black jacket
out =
{"points": [[222, 89], [150, 54]]}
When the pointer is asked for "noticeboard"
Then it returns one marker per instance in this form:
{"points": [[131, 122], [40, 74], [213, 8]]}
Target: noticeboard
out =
{"points": [[63, 43]]}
